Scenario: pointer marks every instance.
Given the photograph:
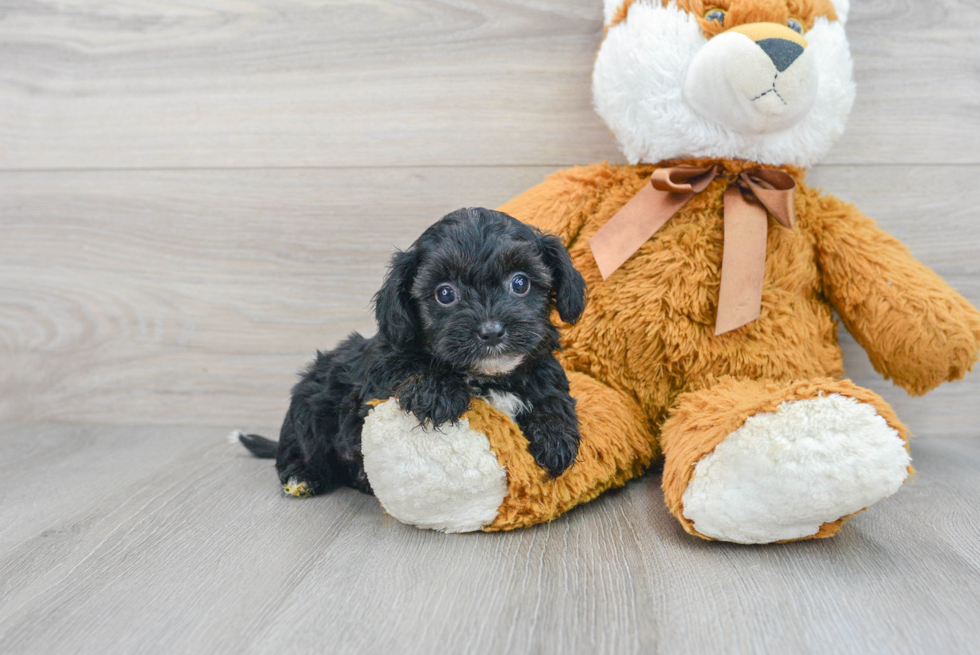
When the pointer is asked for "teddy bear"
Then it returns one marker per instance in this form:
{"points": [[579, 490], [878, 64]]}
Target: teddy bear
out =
{"points": [[714, 272]]}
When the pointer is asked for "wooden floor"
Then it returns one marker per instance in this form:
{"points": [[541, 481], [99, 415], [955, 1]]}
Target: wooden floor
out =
{"points": [[195, 196], [120, 539]]}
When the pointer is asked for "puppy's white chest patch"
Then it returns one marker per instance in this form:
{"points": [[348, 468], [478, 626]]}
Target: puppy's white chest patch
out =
{"points": [[507, 403], [498, 365]]}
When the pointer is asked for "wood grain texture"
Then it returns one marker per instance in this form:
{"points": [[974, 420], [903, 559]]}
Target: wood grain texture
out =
{"points": [[190, 547], [241, 83], [192, 297], [195, 196]]}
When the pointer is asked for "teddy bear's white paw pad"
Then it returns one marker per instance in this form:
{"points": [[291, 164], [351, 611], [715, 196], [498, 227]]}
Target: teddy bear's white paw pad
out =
{"points": [[783, 474], [446, 479]]}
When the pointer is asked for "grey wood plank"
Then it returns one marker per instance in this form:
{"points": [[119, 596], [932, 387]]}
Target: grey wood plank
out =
{"points": [[204, 555], [298, 83], [41, 462], [236, 276], [193, 296], [930, 208], [123, 84]]}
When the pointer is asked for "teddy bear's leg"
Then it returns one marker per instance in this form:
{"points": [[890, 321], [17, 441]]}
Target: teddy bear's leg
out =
{"points": [[751, 462], [479, 475], [617, 445]]}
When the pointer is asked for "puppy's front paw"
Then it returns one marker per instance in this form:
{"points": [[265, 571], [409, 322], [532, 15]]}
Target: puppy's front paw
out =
{"points": [[553, 446], [436, 399]]}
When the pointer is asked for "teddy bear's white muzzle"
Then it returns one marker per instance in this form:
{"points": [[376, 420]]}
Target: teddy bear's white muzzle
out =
{"points": [[752, 87]]}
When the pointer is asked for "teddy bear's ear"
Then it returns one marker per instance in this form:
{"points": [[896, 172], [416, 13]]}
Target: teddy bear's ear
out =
{"points": [[609, 8], [842, 7]]}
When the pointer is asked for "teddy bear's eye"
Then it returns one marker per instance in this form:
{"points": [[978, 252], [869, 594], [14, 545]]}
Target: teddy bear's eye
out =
{"points": [[795, 25], [715, 15]]}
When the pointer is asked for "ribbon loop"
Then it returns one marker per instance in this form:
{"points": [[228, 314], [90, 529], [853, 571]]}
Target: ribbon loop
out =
{"points": [[683, 179], [775, 190], [754, 193]]}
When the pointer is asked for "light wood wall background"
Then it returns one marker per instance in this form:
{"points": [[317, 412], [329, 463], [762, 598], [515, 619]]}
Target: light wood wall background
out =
{"points": [[196, 196]]}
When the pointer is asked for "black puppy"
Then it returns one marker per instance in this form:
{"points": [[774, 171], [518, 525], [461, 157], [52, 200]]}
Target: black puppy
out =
{"points": [[464, 312]]}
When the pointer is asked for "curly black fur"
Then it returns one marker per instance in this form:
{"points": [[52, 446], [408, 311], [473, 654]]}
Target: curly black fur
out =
{"points": [[432, 356]]}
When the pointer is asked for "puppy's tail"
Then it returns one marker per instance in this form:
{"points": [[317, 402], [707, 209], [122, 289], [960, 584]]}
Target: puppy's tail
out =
{"points": [[258, 446]]}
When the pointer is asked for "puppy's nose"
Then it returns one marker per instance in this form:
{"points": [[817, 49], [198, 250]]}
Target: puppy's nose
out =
{"points": [[782, 52], [491, 332]]}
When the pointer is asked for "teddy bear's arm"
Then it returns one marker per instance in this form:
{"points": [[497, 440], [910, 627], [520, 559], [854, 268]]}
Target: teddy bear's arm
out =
{"points": [[916, 329], [562, 203]]}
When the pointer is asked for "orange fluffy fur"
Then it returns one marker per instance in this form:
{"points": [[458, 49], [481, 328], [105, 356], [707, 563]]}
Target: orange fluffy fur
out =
{"points": [[644, 363], [645, 349], [740, 12], [619, 447], [702, 419]]}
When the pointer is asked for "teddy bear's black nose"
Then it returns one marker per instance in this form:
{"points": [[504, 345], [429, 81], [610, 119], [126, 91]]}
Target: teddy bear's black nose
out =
{"points": [[781, 52], [491, 332]]}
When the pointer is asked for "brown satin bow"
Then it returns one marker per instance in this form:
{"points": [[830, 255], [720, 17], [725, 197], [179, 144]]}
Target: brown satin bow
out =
{"points": [[743, 261]]}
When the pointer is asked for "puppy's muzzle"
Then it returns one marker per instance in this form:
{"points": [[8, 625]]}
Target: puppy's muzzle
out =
{"points": [[491, 332]]}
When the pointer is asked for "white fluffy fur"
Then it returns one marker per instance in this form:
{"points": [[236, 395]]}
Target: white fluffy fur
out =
{"points": [[843, 9], [508, 403], [733, 82], [641, 71], [609, 8], [783, 474], [446, 479], [498, 365], [236, 437]]}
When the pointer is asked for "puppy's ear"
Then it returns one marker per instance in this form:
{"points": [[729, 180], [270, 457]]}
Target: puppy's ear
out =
{"points": [[394, 309], [567, 283]]}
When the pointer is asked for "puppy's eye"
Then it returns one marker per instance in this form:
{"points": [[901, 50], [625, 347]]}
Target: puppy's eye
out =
{"points": [[519, 284], [795, 25], [715, 16], [445, 294]]}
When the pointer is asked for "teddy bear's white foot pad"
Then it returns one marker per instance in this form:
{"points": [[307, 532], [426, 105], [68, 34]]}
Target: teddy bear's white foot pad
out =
{"points": [[783, 474], [446, 479]]}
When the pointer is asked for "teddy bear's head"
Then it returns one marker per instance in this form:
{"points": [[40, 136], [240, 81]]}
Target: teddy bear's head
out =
{"points": [[764, 80]]}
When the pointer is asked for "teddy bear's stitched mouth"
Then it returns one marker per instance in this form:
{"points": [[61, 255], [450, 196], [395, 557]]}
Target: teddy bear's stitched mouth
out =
{"points": [[773, 90]]}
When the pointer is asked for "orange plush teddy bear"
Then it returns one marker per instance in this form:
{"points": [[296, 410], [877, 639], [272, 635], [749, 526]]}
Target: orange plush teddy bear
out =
{"points": [[713, 273]]}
